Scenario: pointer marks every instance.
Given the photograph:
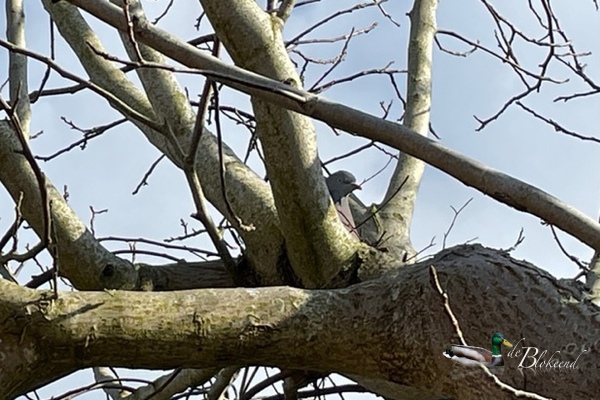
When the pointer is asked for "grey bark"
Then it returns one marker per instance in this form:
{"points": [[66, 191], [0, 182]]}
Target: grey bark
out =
{"points": [[397, 214], [392, 329]]}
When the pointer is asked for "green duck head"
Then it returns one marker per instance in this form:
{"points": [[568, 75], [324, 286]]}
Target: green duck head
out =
{"points": [[497, 341]]}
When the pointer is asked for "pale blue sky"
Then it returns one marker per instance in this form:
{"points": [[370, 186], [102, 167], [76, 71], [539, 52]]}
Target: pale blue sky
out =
{"points": [[105, 174]]}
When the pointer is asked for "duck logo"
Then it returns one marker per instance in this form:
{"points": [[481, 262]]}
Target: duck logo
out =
{"points": [[475, 356]]}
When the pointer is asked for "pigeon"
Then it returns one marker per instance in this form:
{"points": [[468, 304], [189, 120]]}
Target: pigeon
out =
{"points": [[340, 185]]}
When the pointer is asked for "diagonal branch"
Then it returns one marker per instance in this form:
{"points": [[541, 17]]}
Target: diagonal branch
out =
{"points": [[250, 196], [317, 245], [502, 187]]}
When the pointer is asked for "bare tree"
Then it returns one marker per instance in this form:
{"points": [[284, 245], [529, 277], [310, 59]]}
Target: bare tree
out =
{"points": [[297, 291]]}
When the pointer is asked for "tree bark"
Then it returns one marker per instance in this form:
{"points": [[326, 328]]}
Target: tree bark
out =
{"points": [[317, 245], [391, 329], [402, 191]]}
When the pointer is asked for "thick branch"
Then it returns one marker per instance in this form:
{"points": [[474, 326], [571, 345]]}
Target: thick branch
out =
{"points": [[397, 214], [248, 194], [17, 64], [375, 329], [82, 259], [316, 243]]}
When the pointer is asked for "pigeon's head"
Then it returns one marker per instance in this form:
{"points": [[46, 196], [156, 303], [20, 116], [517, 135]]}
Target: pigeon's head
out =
{"points": [[341, 184]]}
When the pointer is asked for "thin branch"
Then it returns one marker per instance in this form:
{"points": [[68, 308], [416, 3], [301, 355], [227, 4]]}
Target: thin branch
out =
{"points": [[456, 213], [501, 58], [337, 62], [329, 18], [130, 31], [350, 388], [384, 204], [571, 257], [88, 134], [518, 242], [192, 250], [387, 15], [262, 385], [349, 78], [435, 282], [355, 32], [47, 235], [557, 127], [285, 9], [124, 108], [144, 181], [164, 13], [46, 76]]}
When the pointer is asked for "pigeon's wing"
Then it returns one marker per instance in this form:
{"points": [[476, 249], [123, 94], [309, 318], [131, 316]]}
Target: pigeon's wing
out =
{"points": [[345, 214]]}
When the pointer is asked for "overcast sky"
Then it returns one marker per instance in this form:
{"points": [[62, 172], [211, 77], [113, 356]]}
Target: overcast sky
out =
{"points": [[106, 173]]}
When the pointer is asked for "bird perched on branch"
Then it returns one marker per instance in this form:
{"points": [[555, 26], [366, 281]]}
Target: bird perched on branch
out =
{"points": [[340, 185], [473, 356]]}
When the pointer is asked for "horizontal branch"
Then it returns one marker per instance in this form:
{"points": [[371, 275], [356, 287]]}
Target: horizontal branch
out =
{"points": [[372, 329]]}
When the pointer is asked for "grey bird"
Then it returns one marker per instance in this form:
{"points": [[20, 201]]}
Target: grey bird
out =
{"points": [[340, 185]]}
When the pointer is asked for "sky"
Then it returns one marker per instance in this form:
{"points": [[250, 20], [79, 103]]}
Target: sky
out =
{"points": [[105, 174]]}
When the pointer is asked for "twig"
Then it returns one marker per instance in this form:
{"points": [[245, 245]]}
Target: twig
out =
{"points": [[93, 217], [44, 80], [164, 13], [123, 107], [144, 181], [519, 240], [133, 251], [329, 18], [130, 30], [557, 127], [316, 393], [335, 39], [376, 71], [349, 154], [571, 257], [192, 250], [385, 203], [416, 255], [456, 213], [234, 218], [262, 385], [46, 235], [11, 232], [88, 134], [436, 283], [387, 15], [337, 62]]}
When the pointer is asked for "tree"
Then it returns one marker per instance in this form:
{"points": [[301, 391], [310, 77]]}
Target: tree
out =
{"points": [[303, 295]]}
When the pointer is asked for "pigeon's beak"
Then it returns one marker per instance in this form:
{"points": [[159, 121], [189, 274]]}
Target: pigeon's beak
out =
{"points": [[356, 186]]}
